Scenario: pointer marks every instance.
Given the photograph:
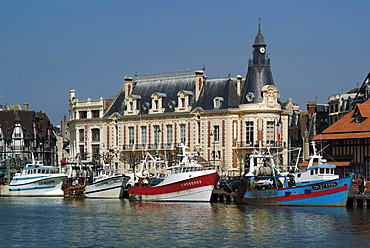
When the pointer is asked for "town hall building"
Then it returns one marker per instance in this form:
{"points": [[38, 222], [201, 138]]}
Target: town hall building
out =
{"points": [[220, 120]]}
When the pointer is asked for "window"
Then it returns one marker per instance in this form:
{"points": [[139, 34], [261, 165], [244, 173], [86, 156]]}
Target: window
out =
{"points": [[182, 133], [249, 133], [143, 137], [131, 106], [217, 102], [157, 132], [81, 135], [17, 130], [83, 114], [131, 137], [216, 154], [216, 133], [95, 113], [95, 151], [199, 132], [83, 154], [131, 103], [184, 98], [367, 169], [358, 119], [157, 101], [270, 133], [95, 134], [169, 135], [117, 135]]}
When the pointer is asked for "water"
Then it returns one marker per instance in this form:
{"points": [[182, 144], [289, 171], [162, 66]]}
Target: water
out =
{"points": [[59, 222]]}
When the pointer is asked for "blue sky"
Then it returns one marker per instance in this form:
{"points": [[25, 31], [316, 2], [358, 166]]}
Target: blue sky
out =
{"points": [[317, 48]]}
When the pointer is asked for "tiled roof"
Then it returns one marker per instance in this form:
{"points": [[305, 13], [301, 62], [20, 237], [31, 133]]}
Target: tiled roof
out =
{"points": [[364, 110], [347, 127]]}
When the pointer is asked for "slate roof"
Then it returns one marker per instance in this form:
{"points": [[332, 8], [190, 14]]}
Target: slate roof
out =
{"points": [[257, 77], [259, 40], [168, 86], [29, 120], [224, 88], [118, 105], [347, 127]]}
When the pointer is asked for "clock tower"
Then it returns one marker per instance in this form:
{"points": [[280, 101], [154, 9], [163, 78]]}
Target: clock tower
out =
{"points": [[259, 72]]}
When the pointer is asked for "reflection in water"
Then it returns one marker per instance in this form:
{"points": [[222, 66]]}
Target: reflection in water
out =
{"points": [[58, 222]]}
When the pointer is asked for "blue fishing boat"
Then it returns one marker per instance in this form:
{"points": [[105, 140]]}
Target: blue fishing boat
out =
{"points": [[317, 185]]}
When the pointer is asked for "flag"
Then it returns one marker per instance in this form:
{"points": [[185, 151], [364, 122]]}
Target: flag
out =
{"points": [[279, 124]]}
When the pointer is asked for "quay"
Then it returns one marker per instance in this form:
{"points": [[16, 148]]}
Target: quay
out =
{"points": [[354, 200]]}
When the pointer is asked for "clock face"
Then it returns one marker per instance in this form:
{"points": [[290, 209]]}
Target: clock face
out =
{"points": [[249, 96], [262, 50]]}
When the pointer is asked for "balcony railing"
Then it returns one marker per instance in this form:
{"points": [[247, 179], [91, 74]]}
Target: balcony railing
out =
{"points": [[161, 146], [244, 144]]}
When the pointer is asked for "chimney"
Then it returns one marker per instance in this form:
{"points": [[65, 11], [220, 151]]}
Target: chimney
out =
{"points": [[25, 106], [311, 108], [128, 85], [239, 83], [198, 83]]}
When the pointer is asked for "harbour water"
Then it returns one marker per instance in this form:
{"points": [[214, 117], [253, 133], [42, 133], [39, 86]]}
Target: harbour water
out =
{"points": [[59, 222]]}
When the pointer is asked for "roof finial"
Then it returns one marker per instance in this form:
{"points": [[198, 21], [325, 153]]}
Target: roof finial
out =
{"points": [[259, 25]]}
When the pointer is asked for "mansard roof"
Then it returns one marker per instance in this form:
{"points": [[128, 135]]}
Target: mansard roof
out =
{"points": [[224, 88], [169, 85], [118, 105]]}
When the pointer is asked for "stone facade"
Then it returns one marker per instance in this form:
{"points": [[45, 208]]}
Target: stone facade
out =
{"points": [[220, 120]]}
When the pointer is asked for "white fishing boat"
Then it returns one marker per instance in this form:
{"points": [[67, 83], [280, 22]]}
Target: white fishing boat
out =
{"points": [[107, 185], [186, 181], [87, 181], [36, 179]]}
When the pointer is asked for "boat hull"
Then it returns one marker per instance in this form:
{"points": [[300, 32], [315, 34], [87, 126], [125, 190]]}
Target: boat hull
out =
{"points": [[36, 186], [112, 187], [187, 187], [332, 193]]}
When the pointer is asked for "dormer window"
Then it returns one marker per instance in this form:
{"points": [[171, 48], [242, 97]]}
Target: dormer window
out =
{"points": [[217, 101], [358, 118], [131, 106], [183, 100], [157, 100], [131, 103]]}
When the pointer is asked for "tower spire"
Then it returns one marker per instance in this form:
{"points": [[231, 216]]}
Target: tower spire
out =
{"points": [[259, 25]]}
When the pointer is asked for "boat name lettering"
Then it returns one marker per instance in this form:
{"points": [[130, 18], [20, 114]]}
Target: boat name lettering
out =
{"points": [[47, 182], [101, 184], [325, 186], [191, 183]]}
